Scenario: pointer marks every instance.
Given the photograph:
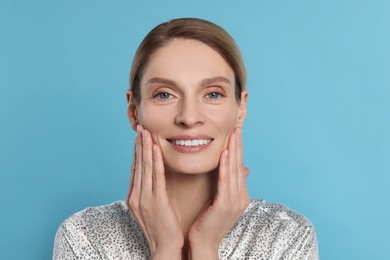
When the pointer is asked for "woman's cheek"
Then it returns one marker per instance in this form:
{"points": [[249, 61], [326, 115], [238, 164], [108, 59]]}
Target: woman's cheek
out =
{"points": [[154, 123], [228, 122]]}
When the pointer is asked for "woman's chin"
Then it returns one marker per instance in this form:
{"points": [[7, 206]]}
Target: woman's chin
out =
{"points": [[191, 169]]}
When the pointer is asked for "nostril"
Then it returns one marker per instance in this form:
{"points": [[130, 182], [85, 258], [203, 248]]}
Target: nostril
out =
{"points": [[189, 114]]}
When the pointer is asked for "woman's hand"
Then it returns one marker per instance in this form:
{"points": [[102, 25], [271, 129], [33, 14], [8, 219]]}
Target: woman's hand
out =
{"points": [[148, 200], [230, 201]]}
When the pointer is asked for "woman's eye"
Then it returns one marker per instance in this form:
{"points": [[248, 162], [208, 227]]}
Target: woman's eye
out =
{"points": [[214, 95], [163, 95]]}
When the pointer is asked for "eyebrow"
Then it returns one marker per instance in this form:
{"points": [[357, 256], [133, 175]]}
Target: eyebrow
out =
{"points": [[161, 80], [206, 81], [209, 81]]}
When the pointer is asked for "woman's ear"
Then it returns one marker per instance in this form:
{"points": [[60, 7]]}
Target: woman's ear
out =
{"points": [[131, 110], [242, 109]]}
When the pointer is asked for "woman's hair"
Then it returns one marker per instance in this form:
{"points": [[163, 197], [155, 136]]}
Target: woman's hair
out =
{"points": [[188, 28]]}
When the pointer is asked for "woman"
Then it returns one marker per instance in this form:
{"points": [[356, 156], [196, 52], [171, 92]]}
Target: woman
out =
{"points": [[187, 197]]}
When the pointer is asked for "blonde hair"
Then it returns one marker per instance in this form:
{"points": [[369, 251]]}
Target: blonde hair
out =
{"points": [[188, 28]]}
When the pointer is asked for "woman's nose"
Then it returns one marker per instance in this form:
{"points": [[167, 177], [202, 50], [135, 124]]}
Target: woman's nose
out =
{"points": [[189, 114]]}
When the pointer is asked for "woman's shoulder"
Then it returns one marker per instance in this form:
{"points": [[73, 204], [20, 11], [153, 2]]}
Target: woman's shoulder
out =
{"points": [[261, 210], [270, 231], [102, 216], [275, 220], [93, 230]]}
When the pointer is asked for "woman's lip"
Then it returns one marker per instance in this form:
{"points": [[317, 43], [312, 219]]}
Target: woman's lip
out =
{"points": [[189, 149], [189, 137]]}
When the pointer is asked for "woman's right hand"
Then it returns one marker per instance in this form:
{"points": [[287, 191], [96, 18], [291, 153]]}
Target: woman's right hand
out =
{"points": [[148, 200]]}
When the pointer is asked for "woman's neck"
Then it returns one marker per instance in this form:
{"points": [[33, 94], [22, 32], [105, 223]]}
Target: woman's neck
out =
{"points": [[189, 194]]}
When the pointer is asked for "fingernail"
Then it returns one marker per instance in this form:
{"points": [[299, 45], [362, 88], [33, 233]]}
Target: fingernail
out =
{"points": [[138, 128]]}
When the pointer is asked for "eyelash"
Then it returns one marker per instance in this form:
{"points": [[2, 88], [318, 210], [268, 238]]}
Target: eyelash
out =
{"points": [[164, 96]]}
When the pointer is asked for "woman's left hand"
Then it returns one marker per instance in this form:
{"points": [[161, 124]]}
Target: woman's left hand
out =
{"points": [[231, 200]]}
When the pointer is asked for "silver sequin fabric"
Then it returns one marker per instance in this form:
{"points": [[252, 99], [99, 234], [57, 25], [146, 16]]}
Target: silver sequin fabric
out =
{"points": [[264, 231]]}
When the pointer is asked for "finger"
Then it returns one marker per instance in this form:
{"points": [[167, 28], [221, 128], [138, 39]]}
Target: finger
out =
{"points": [[132, 171], [147, 165], [146, 181], [159, 187], [233, 175], [223, 174], [240, 151], [136, 186], [240, 159], [242, 171], [133, 163], [134, 197]]}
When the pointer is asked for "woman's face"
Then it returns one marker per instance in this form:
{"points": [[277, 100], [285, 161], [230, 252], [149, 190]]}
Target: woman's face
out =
{"points": [[188, 104]]}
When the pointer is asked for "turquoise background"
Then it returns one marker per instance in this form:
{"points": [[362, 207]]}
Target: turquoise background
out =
{"points": [[316, 136]]}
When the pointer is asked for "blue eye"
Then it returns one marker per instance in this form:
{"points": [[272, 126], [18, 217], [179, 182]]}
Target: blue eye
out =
{"points": [[214, 95], [163, 95]]}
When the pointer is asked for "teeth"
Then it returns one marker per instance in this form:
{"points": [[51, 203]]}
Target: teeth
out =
{"points": [[192, 142]]}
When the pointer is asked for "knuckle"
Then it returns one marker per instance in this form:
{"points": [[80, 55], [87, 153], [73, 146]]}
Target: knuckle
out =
{"points": [[133, 204], [147, 167]]}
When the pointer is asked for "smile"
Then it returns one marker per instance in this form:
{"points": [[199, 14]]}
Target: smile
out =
{"points": [[190, 144], [197, 142]]}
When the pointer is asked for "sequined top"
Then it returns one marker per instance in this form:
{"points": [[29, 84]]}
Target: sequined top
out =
{"points": [[264, 231]]}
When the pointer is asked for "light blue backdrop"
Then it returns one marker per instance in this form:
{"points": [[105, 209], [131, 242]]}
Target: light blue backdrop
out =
{"points": [[316, 137]]}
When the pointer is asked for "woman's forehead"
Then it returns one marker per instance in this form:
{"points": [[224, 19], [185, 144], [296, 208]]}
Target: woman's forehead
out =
{"points": [[183, 59]]}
